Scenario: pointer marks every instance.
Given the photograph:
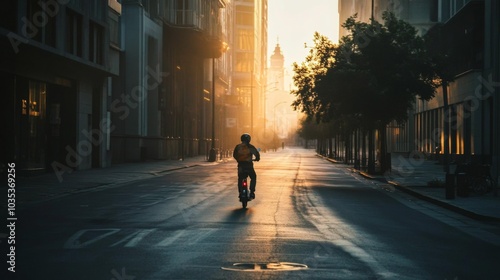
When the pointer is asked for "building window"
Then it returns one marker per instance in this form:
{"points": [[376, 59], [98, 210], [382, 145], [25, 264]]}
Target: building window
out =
{"points": [[244, 39], [96, 43], [74, 33], [186, 13], [152, 7], [244, 15], [243, 62], [97, 9], [33, 135], [114, 29], [8, 15], [434, 11], [76, 5], [44, 23]]}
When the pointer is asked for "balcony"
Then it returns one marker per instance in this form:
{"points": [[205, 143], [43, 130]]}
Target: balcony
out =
{"points": [[197, 34], [186, 18]]}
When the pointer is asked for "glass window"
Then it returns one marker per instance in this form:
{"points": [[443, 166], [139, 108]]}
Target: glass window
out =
{"points": [[8, 15], [244, 39], [74, 33], [244, 19], [243, 62], [34, 136], [96, 9], [45, 23], [114, 28], [76, 5], [96, 43]]}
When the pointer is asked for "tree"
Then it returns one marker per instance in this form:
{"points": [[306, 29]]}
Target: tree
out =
{"points": [[369, 79], [307, 73]]}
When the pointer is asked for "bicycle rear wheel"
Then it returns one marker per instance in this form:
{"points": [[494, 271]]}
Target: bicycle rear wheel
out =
{"points": [[481, 185]]}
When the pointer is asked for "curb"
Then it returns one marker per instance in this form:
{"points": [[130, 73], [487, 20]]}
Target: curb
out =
{"points": [[443, 204]]}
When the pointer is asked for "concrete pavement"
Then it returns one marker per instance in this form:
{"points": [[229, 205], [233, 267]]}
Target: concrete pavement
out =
{"points": [[48, 186], [408, 175]]}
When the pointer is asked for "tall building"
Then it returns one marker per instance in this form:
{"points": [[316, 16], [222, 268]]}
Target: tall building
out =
{"points": [[172, 53], [136, 116], [246, 103], [422, 14], [347, 8], [89, 83], [281, 121], [57, 60]]}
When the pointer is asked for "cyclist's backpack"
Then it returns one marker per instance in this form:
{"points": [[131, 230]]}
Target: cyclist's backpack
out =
{"points": [[243, 153]]}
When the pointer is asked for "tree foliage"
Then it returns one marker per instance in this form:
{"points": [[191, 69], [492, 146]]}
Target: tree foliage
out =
{"points": [[306, 75], [367, 80]]}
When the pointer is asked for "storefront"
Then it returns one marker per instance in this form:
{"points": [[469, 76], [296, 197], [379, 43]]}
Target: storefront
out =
{"points": [[41, 121]]}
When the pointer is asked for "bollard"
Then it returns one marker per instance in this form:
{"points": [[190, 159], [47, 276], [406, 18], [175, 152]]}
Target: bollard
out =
{"points": [[450, 186]]}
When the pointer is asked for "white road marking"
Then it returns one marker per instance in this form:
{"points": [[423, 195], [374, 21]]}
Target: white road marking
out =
{"points": [[171, 239], [134, 238], [74, 241]]}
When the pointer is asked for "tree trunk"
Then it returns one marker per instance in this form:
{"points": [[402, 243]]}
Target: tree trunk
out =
{"points": [[384, 160], [356, 149], [330, 147], [363, 150], [371, 152], [446, 148]]}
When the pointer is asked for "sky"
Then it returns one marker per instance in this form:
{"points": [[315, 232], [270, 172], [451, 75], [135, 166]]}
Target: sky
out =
{"points": [[293, 23]]}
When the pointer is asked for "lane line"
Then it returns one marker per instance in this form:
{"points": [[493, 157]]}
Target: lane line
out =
{"points": [[171, 239]]}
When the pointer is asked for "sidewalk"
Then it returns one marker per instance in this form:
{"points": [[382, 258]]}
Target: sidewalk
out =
{"points": [[412, 175], [36, 189]]}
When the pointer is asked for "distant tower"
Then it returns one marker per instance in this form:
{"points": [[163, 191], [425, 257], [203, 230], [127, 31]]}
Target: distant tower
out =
{"points": [[277, 70]]}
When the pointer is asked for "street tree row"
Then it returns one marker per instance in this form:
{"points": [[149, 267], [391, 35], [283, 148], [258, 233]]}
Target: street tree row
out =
{"points": [[371, 78]]}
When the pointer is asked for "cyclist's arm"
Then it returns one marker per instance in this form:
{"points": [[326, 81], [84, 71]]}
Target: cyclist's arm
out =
{"points": [[235, 151], [256, 153]]}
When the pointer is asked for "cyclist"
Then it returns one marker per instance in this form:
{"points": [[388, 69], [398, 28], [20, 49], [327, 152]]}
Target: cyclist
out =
{"points": [[243, 154]]}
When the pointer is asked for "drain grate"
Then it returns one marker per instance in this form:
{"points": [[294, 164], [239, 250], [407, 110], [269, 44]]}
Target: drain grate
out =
{"points": [[274, 266]]}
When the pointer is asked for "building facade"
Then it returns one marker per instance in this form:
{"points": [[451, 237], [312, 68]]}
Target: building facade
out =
{"points": [[422, 14], [135, 111], [91, 83], [464, 119], [163, 106], [57, 60], [246, 100], [281, 122]]}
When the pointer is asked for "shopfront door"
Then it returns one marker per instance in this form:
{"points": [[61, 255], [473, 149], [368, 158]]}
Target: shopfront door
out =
{"points": [[32, 137]]}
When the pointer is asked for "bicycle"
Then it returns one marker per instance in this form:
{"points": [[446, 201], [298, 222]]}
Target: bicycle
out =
{"points": [[244, 196]]}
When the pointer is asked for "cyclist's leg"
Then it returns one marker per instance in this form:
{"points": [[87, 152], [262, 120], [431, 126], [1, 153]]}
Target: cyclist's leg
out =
{"points": [[241, 176], [253, 177]]}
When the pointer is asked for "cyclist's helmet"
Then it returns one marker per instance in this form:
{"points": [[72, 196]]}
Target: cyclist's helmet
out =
{"points": [[245, 137]]}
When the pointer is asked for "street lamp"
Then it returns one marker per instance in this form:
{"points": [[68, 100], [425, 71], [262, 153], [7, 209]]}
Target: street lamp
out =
{"points": [[213, 155]]}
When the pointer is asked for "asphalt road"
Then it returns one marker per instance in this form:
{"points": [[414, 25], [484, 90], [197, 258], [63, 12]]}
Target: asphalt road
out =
{"points": [[311, 220]]}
